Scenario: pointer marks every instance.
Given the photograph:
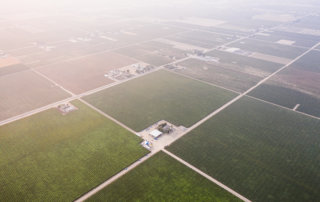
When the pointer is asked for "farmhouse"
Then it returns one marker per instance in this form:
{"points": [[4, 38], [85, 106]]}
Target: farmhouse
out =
{"points": [[155, 133]]}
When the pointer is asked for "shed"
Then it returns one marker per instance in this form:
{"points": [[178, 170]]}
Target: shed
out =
{"points": [[155, 133]]}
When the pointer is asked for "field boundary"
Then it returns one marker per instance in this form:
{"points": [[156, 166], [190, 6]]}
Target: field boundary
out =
{"points": [[207, 176], [109, 117], [218, 86], [29, 113], [283, 107], [202, 81], [115, 177], [249, 90]]}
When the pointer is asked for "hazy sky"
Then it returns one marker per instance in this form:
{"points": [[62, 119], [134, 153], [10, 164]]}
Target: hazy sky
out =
{"points": [[18, 6]]}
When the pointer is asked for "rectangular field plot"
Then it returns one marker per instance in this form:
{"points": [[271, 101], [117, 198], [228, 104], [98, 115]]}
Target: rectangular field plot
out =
{"points": [[162, 95], [86, 73], [162, 178], [297, 39], [11, 69], [220, 30], [202, 39], [155, 53], [55, 157], [8, 60], [311, 22], [43, 54], [24, 91], [231, 71], [267, 48], [137, 31], [296, 87], [259, 150]]}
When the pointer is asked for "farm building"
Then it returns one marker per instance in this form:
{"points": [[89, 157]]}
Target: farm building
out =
{"points": [[165, 128], [66, 108], [155, 133]]}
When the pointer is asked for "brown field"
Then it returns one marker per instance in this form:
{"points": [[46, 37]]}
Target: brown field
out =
{"points": [[296, 85], [33, 56], [304, 74], [271, 58], [86, 73], [25, 91], [8, 61], [301, 80]]}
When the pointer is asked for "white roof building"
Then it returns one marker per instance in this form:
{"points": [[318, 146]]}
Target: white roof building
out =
{"points": [[155, 133]]}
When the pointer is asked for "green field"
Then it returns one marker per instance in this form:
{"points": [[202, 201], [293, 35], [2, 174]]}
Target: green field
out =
{"points": [[288, 98], [51, 157], [162, 178], [162, 95], [263, 152]]}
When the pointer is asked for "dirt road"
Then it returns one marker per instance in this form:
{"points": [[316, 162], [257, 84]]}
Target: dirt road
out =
{"points": [[207, 176]]}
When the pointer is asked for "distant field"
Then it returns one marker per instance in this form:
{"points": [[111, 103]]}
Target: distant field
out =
{"points": [[311, 22], [232, 71], [288, 97], [269, 48], [12, 69], [162, 95], [13, 38], [23, 91], [154, 53], [214, 73], [143, 30], [220, 30], [247, 25], [86, 73], [300, 39], [202, 38], [245, 64], [36, 57], [124, 33], [74, 41], [259, 150], [309, 62], [8, 61], [51, 157], [162, 178], [297, 84]]}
